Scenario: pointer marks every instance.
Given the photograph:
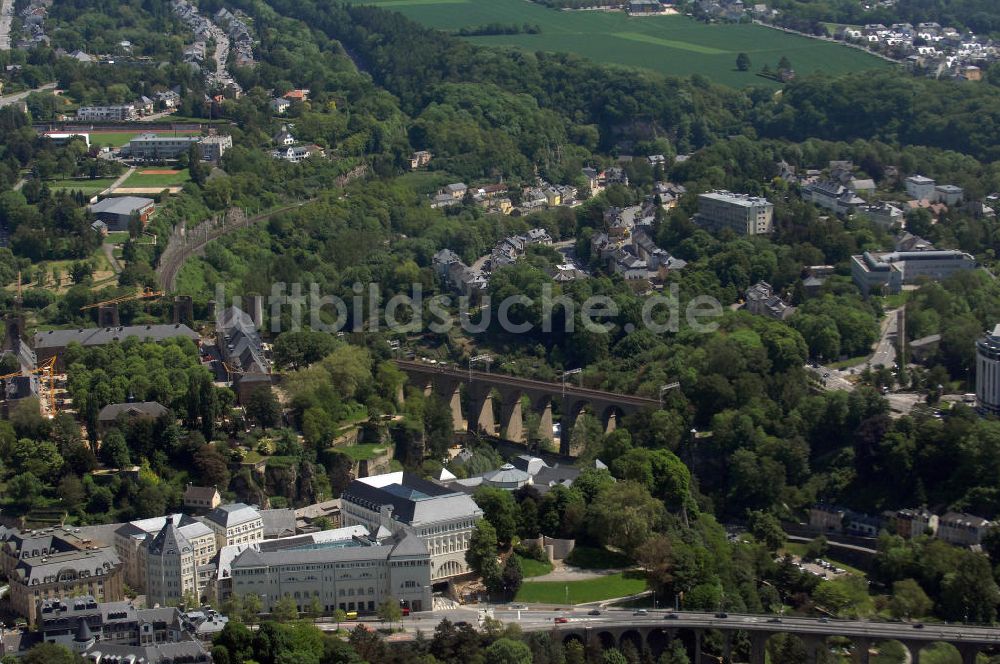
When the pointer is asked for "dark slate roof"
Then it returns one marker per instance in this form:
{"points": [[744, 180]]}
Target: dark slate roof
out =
{"points": [[232, 514], [99, 336], [143, 408], [169, 540], [403, 496], [278, 523]]}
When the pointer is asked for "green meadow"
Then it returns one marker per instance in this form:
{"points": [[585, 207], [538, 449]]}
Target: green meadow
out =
{"points": [[674, 45]]}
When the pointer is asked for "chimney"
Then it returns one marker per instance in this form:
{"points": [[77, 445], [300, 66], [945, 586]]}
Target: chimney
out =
{"points": [[107, 316]]}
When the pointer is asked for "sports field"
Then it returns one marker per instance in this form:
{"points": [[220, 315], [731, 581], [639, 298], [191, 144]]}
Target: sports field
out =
{"points": [[675, 45], [157, 177], [88, 187]]}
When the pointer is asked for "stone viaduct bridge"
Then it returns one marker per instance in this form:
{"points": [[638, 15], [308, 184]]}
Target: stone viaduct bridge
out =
{"points": [[656, 633], [482, 388]]}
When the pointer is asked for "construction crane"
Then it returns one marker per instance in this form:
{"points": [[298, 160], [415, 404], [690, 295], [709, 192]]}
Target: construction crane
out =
{"points": [[231, 370], [147, 294], [47, 370]]}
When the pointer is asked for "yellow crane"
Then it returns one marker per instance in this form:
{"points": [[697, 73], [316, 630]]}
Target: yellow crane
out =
{"points": [[47, 371], [146, 294]]}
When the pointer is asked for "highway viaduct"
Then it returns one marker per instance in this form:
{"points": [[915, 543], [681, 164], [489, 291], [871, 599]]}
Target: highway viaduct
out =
{"points": [[656, 633], [481, 387]]}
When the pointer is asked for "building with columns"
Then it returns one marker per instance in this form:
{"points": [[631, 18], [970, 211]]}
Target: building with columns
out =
{"points": [[440, 516]]}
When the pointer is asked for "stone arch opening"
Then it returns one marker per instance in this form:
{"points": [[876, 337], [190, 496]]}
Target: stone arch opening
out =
{"points": [[611, 417], [633, 637], [509, 406], [570, 412], [573, 637], [658, 640], [607, 640]]}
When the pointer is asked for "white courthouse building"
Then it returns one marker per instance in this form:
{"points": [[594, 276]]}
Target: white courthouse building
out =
{"points": [[440, 516]]}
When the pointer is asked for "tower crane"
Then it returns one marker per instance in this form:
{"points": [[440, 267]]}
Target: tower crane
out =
{"points": [[146, 294], [47, 371]]}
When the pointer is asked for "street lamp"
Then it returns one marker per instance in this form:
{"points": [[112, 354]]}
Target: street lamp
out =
{"points": [[485, 359], [570, 373], [666, 388]]}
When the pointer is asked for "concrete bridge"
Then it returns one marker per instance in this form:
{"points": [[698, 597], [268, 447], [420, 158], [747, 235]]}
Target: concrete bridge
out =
{"points": [[657, 631], [483, 389]]}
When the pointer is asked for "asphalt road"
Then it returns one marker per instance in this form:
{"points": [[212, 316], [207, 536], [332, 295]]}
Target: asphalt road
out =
{"points": [[14, 98], [544, 619]]}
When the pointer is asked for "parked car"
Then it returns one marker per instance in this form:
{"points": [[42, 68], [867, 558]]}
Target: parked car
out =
{"points": [[561, 620]]}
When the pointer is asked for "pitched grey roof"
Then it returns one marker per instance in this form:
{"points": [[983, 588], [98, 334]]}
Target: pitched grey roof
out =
{"points": [[93, 562], [414, 500], [169, 541], [404, 544], [278, 523], [99, 336], [122, 205], [144, 408], [232, 514]]}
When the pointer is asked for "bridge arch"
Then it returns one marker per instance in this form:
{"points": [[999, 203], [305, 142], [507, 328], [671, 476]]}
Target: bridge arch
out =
{"points": [[573, 636], [631, 636], [607, 640], [571, 409], [509, 403], [611, 416]]}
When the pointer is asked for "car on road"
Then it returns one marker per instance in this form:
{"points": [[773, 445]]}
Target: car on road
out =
{"points": [[673, 616], [824, 619], [640, 612], [721, 614], [593, 612], [774, 620], [918, 626], [561, 620]]}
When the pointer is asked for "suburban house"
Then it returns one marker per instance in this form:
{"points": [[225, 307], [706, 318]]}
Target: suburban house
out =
{"points": [[284, 137], [833, 196], [962, 529], [280, 105], [120, 113], [297, 153], [919, 187]]}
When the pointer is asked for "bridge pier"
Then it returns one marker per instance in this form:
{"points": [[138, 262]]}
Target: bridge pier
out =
{"points": [[455, 403], [698, 634], [481, 414], [969, 653], [544, 409], [568, 421], [727, 647], [758, 648], [813, 646], [511, 419], [611, 423], [862, 648], [914, 648]]}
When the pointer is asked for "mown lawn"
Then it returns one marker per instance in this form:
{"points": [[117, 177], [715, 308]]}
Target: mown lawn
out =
{"points": [[531, 567], [363, 452], [581, 592], [88, 187], [137, 179], [675, 45]]}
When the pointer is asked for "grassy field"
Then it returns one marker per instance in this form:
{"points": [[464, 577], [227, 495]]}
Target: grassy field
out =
{"points": [[675, 45], [363, 452], [581, 592], [532, 567], [88, 187], [137, 179]]}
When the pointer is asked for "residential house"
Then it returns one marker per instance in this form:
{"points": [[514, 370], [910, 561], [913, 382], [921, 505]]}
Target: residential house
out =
{"points": [[915, 522], [833, 196], [280, 105], [201, 498], [419, 159], [284, 137], [296, 153], [761, 300], [117, 413], [920, 188], [962, 529]]}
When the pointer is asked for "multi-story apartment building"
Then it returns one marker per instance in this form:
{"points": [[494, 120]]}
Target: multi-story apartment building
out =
{"points": [[170, 569], [442, 517], [132, 541], [120, 113], [740, 213], [357, 575], [962, 529], [988, 373], [43, 565], [235, 523]]}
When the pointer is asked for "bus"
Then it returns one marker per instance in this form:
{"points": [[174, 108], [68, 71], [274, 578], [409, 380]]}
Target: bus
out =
{"points": [[352, 615]]}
